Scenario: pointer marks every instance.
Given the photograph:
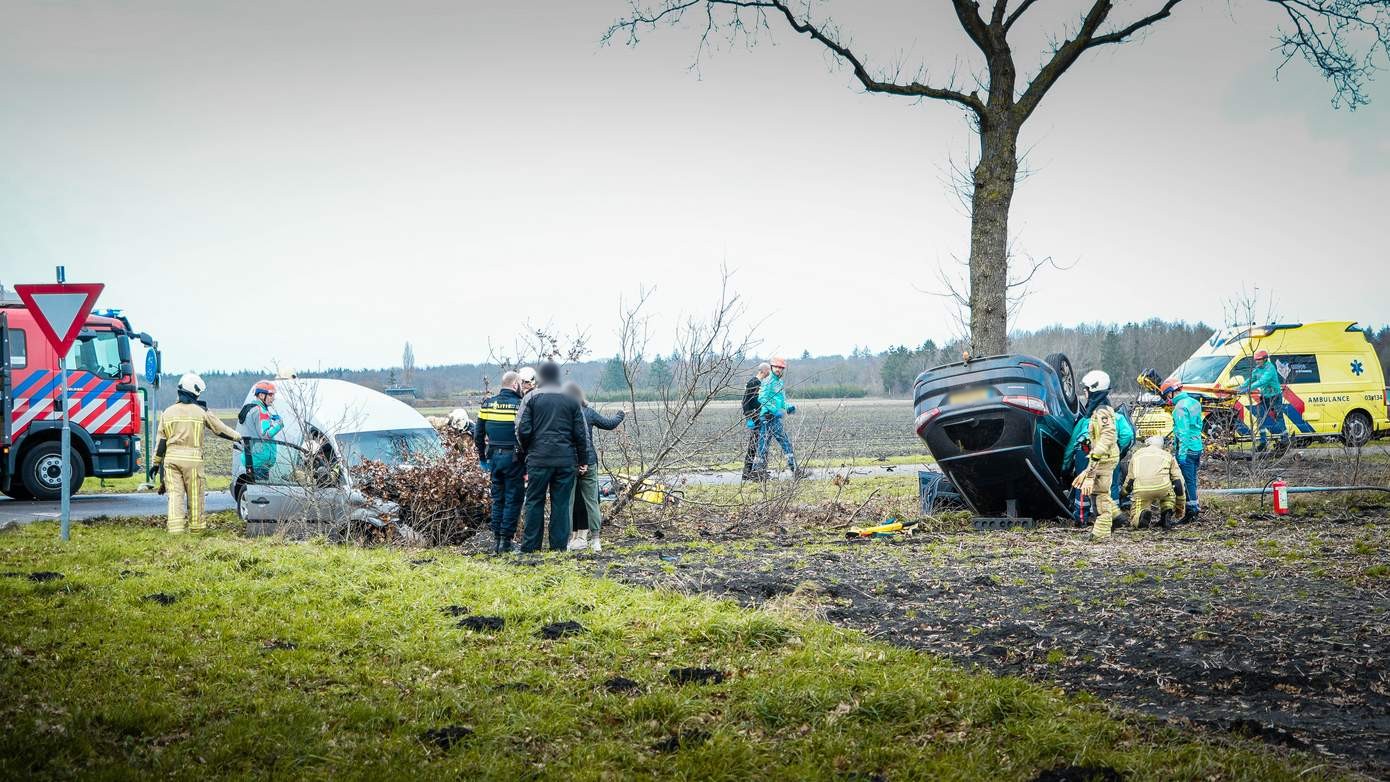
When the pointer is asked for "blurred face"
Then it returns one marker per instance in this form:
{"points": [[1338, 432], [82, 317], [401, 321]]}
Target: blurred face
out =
{"points": [[268, 398], [527, 385], [779, 371]]}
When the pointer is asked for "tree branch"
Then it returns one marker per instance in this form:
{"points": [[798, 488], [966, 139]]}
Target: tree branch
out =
{"points": [[673, 11], [1062, 59], [1120, 35], [1013, 17]]}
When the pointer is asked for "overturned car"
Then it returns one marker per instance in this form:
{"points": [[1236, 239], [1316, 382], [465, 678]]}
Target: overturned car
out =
{"points": [[999, 427]]}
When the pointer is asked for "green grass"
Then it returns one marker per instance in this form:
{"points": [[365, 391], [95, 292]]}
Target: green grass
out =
{"points": [[318, 662]]}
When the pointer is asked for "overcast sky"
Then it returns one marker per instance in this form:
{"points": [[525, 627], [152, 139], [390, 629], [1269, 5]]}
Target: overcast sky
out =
{"points": [[314, 183]]}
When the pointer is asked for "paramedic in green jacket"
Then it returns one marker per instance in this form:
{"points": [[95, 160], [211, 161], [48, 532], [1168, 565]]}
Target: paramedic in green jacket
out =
{"points": [[1187, 434], [259, 421], [772, 406], [1269, 412]]}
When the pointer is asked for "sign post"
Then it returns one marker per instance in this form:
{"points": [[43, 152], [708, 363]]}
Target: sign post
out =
{"points": [[60, 310]]}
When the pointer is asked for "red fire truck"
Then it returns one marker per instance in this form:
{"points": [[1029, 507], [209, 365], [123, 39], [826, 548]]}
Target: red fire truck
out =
{"points": [[104, 403]]}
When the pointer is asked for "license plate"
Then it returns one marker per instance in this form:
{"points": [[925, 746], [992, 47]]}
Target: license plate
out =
{"points": [[969, 396]]}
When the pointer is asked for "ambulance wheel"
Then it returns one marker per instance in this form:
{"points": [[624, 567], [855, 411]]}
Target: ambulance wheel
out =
{"points": [[42, 471], [1356, 430]]}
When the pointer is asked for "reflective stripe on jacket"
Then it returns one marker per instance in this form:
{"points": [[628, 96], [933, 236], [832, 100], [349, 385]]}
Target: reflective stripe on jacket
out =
{"points": [[181, 428], [1153, 468]]}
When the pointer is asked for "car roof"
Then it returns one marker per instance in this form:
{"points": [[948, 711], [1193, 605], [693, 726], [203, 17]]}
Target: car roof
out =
{"points": [[341, 407]]}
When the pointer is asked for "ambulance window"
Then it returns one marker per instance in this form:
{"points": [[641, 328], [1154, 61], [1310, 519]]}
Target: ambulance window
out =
{"points": [[1243, 367], [1301, 368], [19, 356]]}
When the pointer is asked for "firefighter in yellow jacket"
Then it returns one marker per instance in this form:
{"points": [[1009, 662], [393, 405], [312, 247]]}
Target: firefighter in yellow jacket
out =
{"points": [[1154, 478], [180, 453], [1104, 452]]}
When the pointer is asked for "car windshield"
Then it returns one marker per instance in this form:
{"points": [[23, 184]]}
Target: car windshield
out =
{"points": [[395, 446], [99, 354], [1201, 369]]}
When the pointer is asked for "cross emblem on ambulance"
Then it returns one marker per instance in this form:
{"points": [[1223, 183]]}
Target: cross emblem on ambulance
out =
{"points": [[1356, 368]]}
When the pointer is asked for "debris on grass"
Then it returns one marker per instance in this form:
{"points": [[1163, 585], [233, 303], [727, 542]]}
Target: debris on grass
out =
{"points": [[695, 676], [277, 644], [621, 684], [40, 576], [1080, 774], [445, 738], [480, 624], [556, 630], [683, 740], [161, 598], [455, 610]]}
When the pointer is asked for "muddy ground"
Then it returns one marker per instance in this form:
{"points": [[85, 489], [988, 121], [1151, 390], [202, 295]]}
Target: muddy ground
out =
{"points": [[1270, 628]]}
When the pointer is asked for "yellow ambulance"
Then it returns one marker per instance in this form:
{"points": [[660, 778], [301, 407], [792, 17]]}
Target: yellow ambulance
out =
{"points": [[1333, 383]]}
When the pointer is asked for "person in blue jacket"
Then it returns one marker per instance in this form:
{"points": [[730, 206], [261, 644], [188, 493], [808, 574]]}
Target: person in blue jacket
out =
{"points": [[1269, 411], [1187, 434]]}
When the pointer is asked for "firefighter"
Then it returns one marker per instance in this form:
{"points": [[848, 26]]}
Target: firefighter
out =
{"points": [[1269, 410], [1187, 434], [259, 421], [1105, 452], [495, 438], [179, 454], [1154, 477]]}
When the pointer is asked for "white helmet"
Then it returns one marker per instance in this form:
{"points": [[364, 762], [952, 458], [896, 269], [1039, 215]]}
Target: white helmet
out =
{"points": [[192, 384], [528, 375], [1095, 381], [458, 419]]}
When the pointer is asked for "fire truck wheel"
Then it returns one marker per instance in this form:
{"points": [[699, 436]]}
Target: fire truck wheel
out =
{"points": [[42, 471]]}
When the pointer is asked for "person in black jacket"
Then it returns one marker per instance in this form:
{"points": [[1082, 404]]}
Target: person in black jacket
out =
{"points": [[751, 419], [587, 518], [551, 434], [495, 439]]}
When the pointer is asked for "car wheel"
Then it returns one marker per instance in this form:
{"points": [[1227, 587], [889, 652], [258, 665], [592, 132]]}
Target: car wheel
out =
{"points": [[42, 471], [1356, 430], [17, 492], [1062, 366]]}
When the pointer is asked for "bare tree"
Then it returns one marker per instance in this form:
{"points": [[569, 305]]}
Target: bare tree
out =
{"points": [[707, 362], [540, 343], [408, 365], [1344, 39]]}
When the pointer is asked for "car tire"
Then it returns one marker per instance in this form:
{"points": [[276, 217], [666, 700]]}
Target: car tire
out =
{"points": [[1357, 429], [238, 490], [1066, 377], [17, 492], [41, 471]]}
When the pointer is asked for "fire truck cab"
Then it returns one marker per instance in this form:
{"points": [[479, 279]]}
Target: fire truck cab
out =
{"points": [[103, 401]]}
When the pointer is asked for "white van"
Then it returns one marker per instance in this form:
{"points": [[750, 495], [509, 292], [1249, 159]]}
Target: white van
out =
{"points": [[304, 474]]}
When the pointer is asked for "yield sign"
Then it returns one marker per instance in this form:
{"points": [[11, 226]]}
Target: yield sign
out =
{"points": [[60, 309]]}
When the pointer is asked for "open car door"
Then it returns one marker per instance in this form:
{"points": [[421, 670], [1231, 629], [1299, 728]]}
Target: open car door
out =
{"points": [[284, 482]]}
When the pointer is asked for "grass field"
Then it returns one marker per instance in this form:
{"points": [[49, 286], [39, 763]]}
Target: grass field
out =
{"points": [[217, 656]]}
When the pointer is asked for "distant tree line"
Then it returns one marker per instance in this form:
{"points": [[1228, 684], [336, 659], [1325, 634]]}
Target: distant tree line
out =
{"points": [[1121, 350]]}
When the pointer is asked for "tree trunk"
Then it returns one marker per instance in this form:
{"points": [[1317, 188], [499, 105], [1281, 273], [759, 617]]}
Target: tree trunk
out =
{"points": [[989, 237]]}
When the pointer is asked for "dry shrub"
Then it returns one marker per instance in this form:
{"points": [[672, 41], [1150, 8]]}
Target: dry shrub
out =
{"points": [[444, 498]]}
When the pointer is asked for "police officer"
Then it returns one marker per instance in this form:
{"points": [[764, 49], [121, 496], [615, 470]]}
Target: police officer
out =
{"points": [[1105, 452], [495, 437], [180, 453]]}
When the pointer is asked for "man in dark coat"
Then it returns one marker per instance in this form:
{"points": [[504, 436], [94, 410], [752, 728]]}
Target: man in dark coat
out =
{"points": [[751, 419], [552, 436]]}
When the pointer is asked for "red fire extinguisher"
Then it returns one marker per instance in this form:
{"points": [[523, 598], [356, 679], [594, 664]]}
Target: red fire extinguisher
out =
{"points": [[1281, 497]]}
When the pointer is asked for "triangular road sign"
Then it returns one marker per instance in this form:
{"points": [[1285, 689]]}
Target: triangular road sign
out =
{"points": [[60, 309]]}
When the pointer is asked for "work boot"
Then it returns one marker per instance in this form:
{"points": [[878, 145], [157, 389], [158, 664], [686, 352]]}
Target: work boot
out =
{"points": [[496, 545], [506, 544], [1166, 519], [1146, 518], [578, 541], [594, 544]]}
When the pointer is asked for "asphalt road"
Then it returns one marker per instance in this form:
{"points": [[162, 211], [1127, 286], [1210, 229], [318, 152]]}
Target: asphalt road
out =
{"points": [[90, 506]]}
